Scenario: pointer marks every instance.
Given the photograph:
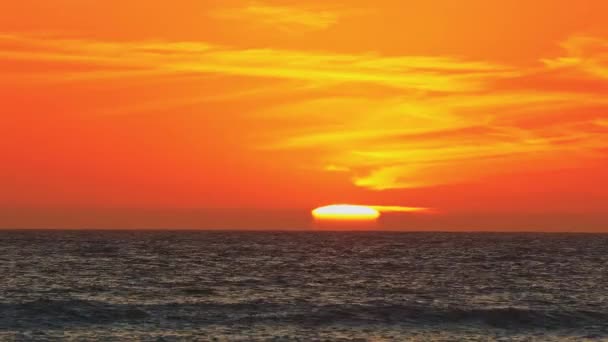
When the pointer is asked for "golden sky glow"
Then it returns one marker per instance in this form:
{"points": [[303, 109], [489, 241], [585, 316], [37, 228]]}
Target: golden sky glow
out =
{"points": [[483, 109]]}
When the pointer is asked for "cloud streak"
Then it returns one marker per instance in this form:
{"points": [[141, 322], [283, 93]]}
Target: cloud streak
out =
{"points": [[286, 18], [414, 73]]}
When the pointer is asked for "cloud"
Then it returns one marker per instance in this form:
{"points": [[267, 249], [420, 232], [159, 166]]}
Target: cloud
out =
{"points": [[584, 54], [426, 139], [286, 18], [415, 73], [383, 122], [400, 209]]}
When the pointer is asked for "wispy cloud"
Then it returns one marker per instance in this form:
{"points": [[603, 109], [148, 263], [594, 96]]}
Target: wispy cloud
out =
{"points": [[288, 18], [399, 209], [584, 54], [385, 122], [414, 73]]}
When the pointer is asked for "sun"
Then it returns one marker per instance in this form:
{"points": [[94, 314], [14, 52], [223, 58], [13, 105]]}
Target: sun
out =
{"points": [[346, 212]]}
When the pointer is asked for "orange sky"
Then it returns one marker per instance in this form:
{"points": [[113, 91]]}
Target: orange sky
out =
{"points": [[247, 114]]}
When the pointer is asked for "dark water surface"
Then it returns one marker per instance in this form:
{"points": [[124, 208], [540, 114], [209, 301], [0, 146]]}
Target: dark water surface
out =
{"points": [[284, 286]]}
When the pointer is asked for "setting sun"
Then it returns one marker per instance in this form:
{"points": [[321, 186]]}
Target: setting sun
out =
{"points": [[346, 212]]}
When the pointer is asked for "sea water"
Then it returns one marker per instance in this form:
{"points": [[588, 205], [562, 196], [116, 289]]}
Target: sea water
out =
{"points": [[302, 286]]}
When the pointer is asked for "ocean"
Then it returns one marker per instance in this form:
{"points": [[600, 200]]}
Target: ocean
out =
{"points": [[302, 286]]}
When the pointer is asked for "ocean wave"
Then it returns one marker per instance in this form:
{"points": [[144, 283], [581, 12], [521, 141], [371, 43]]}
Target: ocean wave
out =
{"points": [[507, 317], [73, 311], [81, 312]]}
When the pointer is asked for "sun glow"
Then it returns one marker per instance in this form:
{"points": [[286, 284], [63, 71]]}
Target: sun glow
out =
{"points": [[346, 212]]}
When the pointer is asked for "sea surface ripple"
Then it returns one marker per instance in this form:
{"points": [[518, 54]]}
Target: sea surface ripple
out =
{"points": [[302, 286]]}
